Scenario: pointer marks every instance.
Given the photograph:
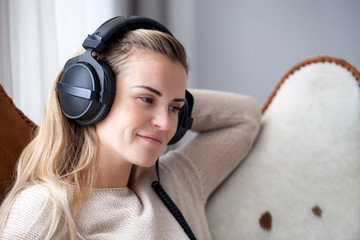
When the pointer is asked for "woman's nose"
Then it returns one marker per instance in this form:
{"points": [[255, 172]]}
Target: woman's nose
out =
{"points": [[161, 119]]}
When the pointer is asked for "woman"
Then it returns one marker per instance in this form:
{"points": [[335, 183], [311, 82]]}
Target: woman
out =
{"points": [[94, 182]]}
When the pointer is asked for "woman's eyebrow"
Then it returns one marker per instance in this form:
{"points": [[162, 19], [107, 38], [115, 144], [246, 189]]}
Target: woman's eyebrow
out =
{"points": [[157, 92], [179, 100], [149, 89]]}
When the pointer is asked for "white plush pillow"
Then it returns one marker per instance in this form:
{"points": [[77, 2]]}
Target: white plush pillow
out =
{"points": [[302, 178]]}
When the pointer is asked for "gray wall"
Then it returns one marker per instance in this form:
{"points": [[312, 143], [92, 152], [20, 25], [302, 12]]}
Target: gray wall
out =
{"points": [[247, 46]]}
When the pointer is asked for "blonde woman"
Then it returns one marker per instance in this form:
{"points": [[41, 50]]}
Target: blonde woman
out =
{"points": [[91, 177]]}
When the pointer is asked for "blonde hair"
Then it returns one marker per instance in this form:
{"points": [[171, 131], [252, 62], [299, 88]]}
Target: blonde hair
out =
{"points": [[62, 155]]}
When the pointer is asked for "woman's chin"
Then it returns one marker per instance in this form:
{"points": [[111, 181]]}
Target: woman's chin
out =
{"points": [[147, 162]]}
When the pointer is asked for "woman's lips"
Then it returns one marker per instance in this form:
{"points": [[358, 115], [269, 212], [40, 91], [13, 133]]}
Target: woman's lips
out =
{"points": [[153, 139]]}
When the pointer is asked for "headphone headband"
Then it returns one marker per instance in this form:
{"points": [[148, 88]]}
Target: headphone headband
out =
{"points": [[117, 26]]}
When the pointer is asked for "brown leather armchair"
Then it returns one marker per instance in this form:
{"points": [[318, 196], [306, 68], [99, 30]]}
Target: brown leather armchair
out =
{"points": [[16, 131]]}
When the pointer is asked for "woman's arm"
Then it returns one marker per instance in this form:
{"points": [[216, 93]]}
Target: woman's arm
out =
{"points": [[29, 216], [227, 125]]}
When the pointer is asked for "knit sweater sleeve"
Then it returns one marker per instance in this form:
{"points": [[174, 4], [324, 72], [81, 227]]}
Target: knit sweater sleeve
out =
{"points": [[227, 125], [30, 215]]}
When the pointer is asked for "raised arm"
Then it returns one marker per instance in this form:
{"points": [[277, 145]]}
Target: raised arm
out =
{"points": [[227, 125]]}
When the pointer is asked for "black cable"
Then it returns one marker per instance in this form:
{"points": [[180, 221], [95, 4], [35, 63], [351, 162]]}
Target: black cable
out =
{"points": [[165, 198]]}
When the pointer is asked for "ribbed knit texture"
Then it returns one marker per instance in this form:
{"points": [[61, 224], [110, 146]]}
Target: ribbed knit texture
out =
{"points": [[227, 125]]}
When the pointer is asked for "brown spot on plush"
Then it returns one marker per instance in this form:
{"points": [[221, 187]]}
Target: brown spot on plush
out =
{"points": [[265, 221], [317, 211]]}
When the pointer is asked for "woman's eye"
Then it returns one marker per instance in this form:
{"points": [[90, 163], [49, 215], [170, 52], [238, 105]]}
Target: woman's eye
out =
{"points": [[147, 100], [174, 109]]}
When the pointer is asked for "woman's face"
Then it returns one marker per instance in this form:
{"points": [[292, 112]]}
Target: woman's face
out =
{"points": [[144, 115]]}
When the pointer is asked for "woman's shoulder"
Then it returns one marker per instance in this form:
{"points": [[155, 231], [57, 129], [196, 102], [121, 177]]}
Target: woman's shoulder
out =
{"points": [[30, 213], [32, 197]]}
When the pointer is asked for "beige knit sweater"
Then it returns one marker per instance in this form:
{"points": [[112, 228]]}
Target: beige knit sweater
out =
{"points": [[227, 125]]}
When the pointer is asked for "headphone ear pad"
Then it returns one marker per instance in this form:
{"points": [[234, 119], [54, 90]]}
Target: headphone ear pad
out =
{"points": [[110, 88], [185, 119]]}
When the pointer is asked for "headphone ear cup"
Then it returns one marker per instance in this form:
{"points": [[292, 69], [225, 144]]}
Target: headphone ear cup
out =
{"points": [[77, 77], [84, 97], [185, 119]]}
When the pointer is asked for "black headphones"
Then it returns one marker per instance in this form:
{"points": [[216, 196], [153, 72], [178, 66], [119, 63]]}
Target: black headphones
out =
{"points": [[86, 89]]}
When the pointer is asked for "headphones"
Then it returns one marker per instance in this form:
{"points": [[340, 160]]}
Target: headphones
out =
{"points": [[86, 89]]}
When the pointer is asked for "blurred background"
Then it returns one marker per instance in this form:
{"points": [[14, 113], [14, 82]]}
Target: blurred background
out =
{"points": [[242, 46]]}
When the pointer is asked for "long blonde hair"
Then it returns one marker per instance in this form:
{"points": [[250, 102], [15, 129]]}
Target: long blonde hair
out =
{"points": [[62, 155]]}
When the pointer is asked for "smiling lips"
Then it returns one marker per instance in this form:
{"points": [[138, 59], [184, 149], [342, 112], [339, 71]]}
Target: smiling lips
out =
{"points": [[153, 139]]}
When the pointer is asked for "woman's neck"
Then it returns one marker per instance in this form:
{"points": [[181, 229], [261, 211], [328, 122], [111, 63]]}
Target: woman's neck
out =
{"points": [[113, 172]]}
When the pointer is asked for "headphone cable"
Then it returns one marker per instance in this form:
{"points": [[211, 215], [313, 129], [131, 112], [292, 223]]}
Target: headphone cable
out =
{"points": [[165, 198]]}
